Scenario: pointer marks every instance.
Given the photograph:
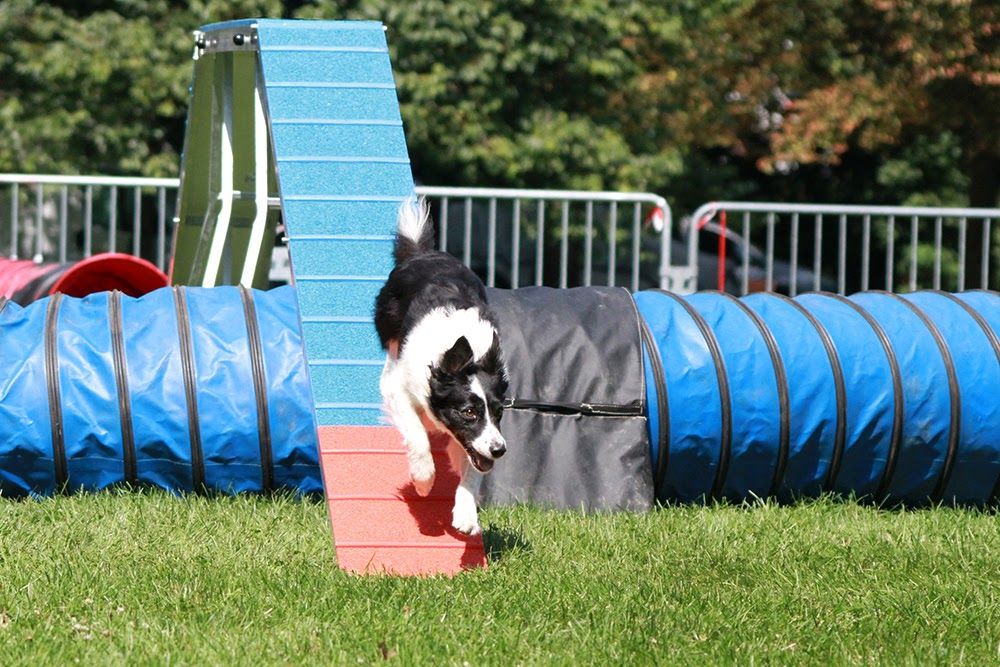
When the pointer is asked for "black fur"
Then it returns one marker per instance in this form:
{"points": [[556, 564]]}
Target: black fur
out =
{"points": [[406, 248], [423, 280], [421, 283], [450, 379], [493, 376], [462, 412]]}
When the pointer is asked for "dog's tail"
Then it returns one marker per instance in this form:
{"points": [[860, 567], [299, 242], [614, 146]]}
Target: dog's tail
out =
{"points": [[414, 231]]}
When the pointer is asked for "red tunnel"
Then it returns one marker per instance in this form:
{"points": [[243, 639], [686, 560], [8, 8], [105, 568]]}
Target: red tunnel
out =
{"points": [[25, 281]]}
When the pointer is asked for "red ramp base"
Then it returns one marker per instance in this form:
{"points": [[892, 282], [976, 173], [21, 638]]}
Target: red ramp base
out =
{"points": [[379, 522]]}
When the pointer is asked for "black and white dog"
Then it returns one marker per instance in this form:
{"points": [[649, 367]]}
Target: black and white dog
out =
{"points": [[444, 370]]}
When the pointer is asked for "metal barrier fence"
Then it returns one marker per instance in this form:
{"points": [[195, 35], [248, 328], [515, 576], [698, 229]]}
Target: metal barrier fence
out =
{"points": [[562, 238], [566, 238], [895, 248], [67, 218], [557, 237]]}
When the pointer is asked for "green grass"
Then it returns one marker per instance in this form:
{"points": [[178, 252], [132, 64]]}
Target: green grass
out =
{"points": [[144, 578]]}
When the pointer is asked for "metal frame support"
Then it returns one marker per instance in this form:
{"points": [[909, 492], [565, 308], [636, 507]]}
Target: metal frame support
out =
{"points": [[221, 238]]}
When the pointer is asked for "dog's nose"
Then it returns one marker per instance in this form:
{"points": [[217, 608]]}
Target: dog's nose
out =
{"points": [[498, 449]]}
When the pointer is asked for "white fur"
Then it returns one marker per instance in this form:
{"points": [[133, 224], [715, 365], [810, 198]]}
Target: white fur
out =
{"points": [[491, 434], [427, 342], [414, 215], [406, 417], [464, 515], [405, 386]]}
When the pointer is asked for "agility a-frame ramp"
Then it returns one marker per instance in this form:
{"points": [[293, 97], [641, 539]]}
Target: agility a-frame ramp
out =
{"points": [[296, 123]]}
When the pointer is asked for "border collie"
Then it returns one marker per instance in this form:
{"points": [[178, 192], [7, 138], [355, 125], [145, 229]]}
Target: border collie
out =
{"points": [[444, 370]]}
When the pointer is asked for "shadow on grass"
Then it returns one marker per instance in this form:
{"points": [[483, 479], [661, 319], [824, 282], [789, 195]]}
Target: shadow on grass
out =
{"points": [[499, 542]]}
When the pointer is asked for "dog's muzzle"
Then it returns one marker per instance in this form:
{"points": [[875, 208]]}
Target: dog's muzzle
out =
{"points": [[482, 462]]}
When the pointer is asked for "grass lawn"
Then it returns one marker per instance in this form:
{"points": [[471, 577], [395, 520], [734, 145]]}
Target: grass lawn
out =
{"points": [[144, 578]]}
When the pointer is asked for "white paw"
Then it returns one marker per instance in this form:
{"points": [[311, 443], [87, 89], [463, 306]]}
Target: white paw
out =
{"points": [[465, 520], [422, 475]]}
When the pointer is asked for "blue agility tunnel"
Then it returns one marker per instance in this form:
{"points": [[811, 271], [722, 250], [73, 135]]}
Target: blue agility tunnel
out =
{"points": [[894, 398], [186, 389]]}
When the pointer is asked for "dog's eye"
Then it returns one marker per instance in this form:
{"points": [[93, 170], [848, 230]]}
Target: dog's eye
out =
{"points": [[469, 414]]}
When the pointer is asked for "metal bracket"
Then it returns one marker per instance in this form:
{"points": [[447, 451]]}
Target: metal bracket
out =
{"points": [[679, 279], [225, 40]]}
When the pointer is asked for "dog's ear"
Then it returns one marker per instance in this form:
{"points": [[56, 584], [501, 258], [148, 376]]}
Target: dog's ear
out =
{"points": [[492, 364], [492, 361], [458, 357]]}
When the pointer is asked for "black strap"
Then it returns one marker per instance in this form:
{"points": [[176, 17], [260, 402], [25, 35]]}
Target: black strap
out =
{"points": [[3, 303], [260, 388], [725, 399], [662, 407], [190, 384], [781, 379], [633, 409], [882, 490], [55, 397], [121, 383], [954, 394], [840, 392]]}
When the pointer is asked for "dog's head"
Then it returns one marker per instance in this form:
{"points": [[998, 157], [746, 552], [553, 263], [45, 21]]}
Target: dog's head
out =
{"points": [[467, 398]]}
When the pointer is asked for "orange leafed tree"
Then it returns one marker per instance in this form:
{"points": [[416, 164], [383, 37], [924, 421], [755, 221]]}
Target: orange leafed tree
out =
{"points": [[787, 84]]}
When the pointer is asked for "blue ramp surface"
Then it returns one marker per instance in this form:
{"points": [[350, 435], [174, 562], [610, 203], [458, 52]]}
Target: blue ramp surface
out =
{"points": [[343, 170]]}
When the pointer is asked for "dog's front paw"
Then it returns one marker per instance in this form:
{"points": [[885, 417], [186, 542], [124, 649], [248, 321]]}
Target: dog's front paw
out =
{"points": [[465, 520], [422, 475]]}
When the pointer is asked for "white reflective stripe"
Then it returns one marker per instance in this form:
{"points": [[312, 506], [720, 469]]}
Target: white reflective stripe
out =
{"points": [[225, 197], [39, 222], [260, 186]]}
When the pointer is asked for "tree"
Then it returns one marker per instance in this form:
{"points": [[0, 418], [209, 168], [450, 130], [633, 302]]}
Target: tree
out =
{"points": [[101, 86], [759, 98], [805, 83], [849, 91], [524, 92]]}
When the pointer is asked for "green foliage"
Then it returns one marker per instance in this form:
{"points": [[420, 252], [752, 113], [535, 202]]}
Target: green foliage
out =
{"points": [[881, 100], [100, 87], [801, 90], [925, 172], [523, 93]]}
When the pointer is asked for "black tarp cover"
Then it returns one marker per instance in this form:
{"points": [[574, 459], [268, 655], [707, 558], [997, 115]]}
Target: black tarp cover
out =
{"points": [[576, 425]]}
